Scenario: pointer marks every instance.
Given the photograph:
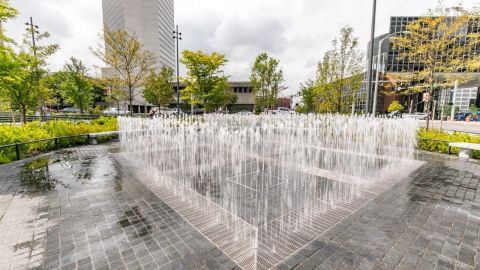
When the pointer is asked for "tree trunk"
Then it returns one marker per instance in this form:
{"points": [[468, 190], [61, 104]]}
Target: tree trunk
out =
{"points": [[24, 115], [130, 90]]}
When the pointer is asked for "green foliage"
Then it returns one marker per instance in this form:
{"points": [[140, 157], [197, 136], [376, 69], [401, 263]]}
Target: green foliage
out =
{"points": [[6, 13], [339, 75], [16, 82], [441, 44], [395, 106], [266, 78], [22, 73], [206, 83], [115, 91], [76, 88], [474, 109], [97, 110], [309, 98], [443, 138], [10, 134], [158, 87], [124, 53]]}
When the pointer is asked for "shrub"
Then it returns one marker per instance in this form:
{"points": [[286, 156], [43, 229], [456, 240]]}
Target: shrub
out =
{"points": [[395, 106], [10, 134], [442, 147]]}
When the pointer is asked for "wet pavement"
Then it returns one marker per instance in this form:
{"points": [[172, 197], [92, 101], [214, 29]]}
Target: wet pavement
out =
{"points": [[75, 209]]}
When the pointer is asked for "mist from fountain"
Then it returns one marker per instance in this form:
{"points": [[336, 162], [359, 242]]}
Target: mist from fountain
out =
{"points": [[265, 180]]}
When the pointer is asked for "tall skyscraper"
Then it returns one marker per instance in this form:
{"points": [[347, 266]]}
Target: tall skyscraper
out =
{"points": [[152, 21]]}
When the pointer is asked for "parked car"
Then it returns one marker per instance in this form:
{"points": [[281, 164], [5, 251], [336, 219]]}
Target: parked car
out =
{"points": [[197, 111], [394, 114], [70, 110], [283, 110], [462, 116], [161, 110], [115, 111], [417, 116], [174, 111]]}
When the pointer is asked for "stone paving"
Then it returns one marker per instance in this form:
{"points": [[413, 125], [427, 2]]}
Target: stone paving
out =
{"points": [[95, 218], [86, 214]]}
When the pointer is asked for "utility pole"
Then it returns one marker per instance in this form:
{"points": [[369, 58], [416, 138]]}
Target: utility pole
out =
{"points": [[33, 30], [370, 62], [177, 36]]}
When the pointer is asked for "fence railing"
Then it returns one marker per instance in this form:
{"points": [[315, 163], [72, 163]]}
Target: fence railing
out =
{"points": [[45, 118], [56, 142]]}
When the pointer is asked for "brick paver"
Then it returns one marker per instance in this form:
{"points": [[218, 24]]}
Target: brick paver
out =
{"points": [[98, 218], [429, 221]]}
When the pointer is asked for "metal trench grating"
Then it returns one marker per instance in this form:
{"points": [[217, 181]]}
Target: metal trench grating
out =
{"points": [[275, 242]]}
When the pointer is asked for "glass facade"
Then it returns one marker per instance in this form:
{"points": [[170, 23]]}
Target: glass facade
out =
{"points": [[392, 63], [399, 25]]}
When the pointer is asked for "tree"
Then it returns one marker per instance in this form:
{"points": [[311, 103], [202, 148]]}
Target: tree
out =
{"points": [[309, 97], [6, 13], [76, 88], [36, 56], [339, 74], [21, 74], [440, 44], [53, 82], [206, 83], [115, 92], [125, 54], [267, 78], [395, 106], [6, 57], [158, 87], [15, 83]]}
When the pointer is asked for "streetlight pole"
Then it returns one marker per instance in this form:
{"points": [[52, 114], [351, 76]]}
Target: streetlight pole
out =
{"points": [[177, 36], [33, 31], [370, 62]]}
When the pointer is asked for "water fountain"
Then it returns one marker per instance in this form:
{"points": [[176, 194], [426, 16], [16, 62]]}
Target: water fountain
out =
{"points": [[261, 187]]}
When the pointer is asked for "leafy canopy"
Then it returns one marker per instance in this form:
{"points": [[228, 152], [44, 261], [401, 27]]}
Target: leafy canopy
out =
{"points": [[158, 87], [76, 88], [339, 77], [440, 45], [267, 78], [395, 106], [126, 55], [206, 83]]}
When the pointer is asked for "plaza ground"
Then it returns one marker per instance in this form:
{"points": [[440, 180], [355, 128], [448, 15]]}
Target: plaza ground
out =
{"points": [[88, 214]]}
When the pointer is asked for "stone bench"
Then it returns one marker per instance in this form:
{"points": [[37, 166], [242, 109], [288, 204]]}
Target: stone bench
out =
{"points": [[466, 149], [93, 137]]}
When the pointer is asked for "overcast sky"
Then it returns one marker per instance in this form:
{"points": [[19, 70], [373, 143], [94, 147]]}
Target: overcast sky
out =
{"points": [[296, 32]]}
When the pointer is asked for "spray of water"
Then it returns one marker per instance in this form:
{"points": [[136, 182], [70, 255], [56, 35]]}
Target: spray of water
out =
{"points": [[260, 187]]}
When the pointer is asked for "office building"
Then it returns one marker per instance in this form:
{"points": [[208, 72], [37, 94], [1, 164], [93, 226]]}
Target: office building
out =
{"points": [[391, 65], [152, 21]]}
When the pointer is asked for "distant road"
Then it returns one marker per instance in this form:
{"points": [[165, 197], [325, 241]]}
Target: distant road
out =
{"points": [[467, 127]]}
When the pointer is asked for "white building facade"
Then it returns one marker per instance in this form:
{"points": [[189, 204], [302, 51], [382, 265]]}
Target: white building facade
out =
{"points": [[152, 21]]}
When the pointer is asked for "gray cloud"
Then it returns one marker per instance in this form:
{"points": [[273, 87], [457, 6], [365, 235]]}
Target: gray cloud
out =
{"points": [[296, 32]]}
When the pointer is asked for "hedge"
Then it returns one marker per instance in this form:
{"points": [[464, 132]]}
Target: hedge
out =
{"points": [[11, 134], [442, 147]]}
